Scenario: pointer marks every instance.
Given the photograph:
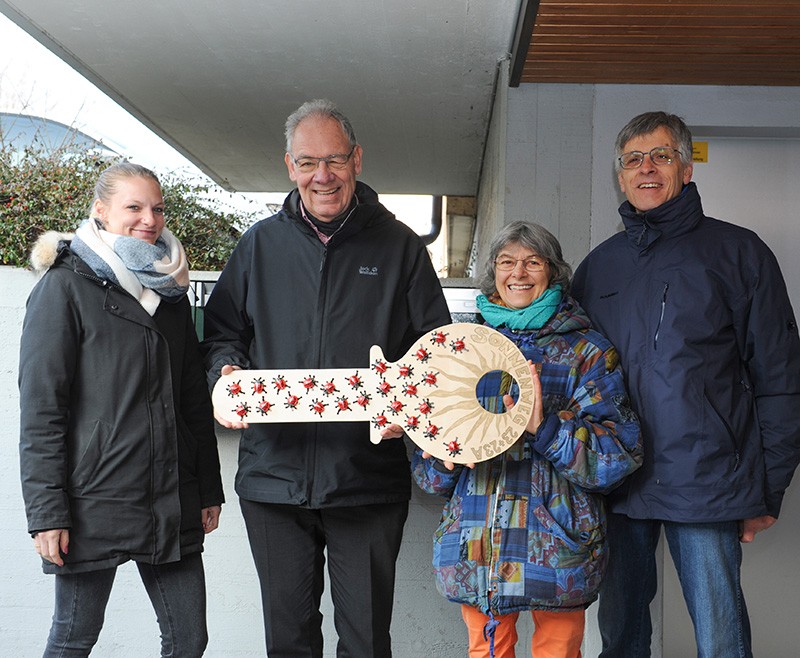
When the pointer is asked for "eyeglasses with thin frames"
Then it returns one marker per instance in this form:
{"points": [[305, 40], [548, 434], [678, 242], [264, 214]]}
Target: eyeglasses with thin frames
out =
{"points": [[307, 164], [531, 264], [660, 155]]}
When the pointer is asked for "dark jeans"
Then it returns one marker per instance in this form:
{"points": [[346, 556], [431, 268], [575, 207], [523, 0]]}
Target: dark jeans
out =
{"points": [[288, 545], [177, 591], [707, 557]]}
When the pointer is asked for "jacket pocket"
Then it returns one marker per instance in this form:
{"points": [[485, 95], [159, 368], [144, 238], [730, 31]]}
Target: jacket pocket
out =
{"points": [[89, 461], [188, 453], [451, 519], [721, 421], [577, 519]]}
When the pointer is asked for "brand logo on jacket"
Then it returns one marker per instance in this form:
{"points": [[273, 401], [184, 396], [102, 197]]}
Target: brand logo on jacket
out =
{"points": [[368, 271]]}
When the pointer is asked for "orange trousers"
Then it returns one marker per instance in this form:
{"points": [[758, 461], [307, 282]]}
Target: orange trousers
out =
{"points": [[556, 634]]}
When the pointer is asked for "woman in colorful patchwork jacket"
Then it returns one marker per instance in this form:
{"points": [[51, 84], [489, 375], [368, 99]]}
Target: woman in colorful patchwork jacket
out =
{"points": [[526, 529]]}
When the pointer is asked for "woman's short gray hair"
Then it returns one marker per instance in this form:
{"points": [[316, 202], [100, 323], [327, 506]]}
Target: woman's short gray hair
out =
{"points": [[319, 107], [649, 122], [536, 238], [109, 178]]}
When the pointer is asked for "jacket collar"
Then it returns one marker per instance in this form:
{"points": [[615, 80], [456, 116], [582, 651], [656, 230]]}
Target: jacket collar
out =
{"points": [[366, 209], [675, 217], [569, 317]]}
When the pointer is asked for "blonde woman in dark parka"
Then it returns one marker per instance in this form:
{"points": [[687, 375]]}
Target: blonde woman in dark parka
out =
{"points": [[117, 448]]}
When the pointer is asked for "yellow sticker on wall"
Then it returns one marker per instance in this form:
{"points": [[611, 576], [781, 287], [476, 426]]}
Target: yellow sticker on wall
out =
{"points": [[699, 151]]}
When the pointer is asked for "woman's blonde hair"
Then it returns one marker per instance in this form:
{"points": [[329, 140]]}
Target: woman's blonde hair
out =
{"points": [[107, 182]]}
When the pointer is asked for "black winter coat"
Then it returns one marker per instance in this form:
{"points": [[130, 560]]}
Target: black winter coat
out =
{"points": [[285, 300], [699, 312], [117, 438]]}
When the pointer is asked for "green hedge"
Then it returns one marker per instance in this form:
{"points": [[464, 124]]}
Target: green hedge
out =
{"points": [[51, 191]]}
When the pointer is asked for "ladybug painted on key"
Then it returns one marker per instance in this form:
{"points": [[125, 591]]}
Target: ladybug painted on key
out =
{"points": [[453, 447], [431, 431], [429, 378], [458, 345], [438, 338]]}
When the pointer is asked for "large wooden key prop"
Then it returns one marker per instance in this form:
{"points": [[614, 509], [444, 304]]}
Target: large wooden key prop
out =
{"points": [[430, 392]]}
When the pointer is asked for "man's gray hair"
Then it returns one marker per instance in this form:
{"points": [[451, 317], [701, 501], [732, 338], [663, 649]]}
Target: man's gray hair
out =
{"points": [[649, 122], [536, 238], [319, 107]]}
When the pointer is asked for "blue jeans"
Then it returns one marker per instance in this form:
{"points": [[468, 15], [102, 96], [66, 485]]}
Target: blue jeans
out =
{"points": [[177, 591], [707, 557]]}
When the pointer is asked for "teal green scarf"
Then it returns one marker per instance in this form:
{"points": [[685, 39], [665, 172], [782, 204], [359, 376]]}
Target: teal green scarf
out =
{"points": [[533, 316]]}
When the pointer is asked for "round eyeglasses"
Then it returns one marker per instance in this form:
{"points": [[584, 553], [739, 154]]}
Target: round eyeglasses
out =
{"points": [[532, 265], [307, 164], [660, 155]]}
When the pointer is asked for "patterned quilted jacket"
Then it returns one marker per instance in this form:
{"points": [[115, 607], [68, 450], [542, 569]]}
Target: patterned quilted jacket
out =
{"points": [[526, 530]]}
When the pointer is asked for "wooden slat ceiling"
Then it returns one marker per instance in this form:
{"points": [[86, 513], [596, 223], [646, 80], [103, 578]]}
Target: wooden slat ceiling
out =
{"points": [[704, 42]]}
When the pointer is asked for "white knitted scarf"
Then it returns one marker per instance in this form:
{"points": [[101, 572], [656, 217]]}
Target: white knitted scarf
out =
{"points": [[149, 272]]}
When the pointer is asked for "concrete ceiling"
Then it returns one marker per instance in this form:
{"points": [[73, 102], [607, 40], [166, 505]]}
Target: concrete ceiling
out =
{"points": [[217, 78]]}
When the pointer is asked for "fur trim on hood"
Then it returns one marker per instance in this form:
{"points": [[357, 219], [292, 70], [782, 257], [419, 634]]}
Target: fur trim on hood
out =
{"points": [[45, 250]]}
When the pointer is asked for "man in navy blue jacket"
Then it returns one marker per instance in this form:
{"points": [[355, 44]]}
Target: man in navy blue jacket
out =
{"points": [[699, 312]]}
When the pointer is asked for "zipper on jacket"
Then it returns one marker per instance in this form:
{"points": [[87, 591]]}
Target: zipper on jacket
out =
{"points": [[498, 490], [661, 317], [103, 283], [322, 296]]}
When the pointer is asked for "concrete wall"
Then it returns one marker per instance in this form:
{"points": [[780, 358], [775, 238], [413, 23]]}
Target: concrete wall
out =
{"points": [[538, 165], [424, 623]]}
